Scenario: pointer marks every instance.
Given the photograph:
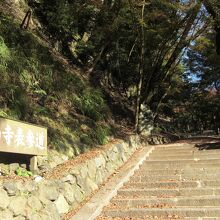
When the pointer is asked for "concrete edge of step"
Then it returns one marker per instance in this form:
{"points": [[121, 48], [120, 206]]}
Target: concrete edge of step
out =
{"points": [[93, 208], [174, 145]]}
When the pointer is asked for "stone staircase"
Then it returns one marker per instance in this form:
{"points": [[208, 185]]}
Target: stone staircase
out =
{"points": [[175, 182]]}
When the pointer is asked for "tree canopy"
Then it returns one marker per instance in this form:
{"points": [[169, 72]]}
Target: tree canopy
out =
{"points": [[155, 53], [144, 50]]}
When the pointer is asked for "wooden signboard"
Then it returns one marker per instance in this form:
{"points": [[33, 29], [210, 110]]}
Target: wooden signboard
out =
{"points": [[22, 138]]}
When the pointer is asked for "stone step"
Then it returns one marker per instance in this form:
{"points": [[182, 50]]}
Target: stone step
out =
{"points": [[164, 153], [168, 202], [187, 177], [167, 185], [186, 147], [187, 157], [172, 151], [183, 156], [187, 172], [186, 151], [205, 218], [190, 151], [174, 146], [149, 166], [144, 213], [186, 168], [147, 172], [176, 182], [102, 217], [172, 184], [200, 218], [184, 161], [159, 152], [164, 193]]}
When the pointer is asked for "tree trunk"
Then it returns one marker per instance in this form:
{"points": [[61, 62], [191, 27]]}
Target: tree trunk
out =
{"points": [[98, 58], [26, 21], [183, 42], [141, 71]]}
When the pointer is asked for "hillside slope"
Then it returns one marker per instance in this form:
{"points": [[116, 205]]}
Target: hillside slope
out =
{"points": [[39, 86]]}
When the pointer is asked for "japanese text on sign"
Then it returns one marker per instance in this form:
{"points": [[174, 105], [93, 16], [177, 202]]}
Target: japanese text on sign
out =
{"points": [[21, 137]]}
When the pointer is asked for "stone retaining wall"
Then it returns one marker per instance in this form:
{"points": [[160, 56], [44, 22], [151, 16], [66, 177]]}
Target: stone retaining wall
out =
{"points": [[158, 139], [49, 199]]}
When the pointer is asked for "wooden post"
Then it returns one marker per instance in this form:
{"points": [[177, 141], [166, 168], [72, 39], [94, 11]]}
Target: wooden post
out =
{"points": [[26, 21], [33, 164]]}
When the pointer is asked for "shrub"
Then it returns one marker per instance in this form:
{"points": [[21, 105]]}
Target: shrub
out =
{"points": [[4, 53], [91, 104], [101, 134]]}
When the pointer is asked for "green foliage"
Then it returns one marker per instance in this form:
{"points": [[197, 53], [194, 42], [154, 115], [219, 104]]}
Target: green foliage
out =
{"points": [[4, 58], [3, 114], [4, 52], [97, 135], [204, 65], [107, 24], [23, 173], [101, 134], [114, 39], [36, 87], [86, 139], [91, 104], [113, 47]]}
